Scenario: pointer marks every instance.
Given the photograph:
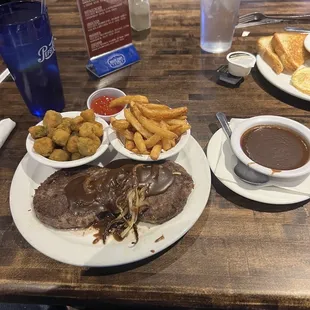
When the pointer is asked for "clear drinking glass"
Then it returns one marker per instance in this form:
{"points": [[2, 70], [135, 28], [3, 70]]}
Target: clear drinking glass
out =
{"points": [[218, 19], [27, 48]]}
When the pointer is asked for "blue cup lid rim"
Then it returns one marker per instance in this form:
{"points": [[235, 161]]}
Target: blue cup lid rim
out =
{"points": [[25, 22]]}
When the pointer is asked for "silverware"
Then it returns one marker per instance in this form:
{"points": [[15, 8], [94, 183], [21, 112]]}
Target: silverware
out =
{"points": [[256, 16], [258, 23], [297, 29], [244, 172]]}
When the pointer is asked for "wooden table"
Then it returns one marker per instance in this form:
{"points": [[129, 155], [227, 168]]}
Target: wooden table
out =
{"points": [[240, 252]]}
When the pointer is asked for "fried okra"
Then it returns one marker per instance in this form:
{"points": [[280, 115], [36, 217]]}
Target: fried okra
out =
{"points": [[52, 119], [75, 156], [88, 115], [72, 144], [88, 146], [61, 137], [37, 132], [59, 155], [76, 123], [65, 126], [44, 146], [98, 129]]}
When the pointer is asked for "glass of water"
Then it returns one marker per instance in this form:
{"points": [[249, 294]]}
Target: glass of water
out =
{"points": [[218, 19]]}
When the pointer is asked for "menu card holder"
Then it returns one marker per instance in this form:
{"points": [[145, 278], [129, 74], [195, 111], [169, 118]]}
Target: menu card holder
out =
{"points": [[107, 32]]}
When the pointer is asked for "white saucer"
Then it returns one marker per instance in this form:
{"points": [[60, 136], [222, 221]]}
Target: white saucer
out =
{"points": [[271, 195]]}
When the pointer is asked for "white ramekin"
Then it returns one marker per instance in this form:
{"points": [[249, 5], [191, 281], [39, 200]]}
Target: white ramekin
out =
{"points": [[238, 69], [108, 91], [241, 128]]}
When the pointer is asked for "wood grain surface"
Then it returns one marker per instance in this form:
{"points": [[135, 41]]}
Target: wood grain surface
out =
{"points": [[239, 253]]}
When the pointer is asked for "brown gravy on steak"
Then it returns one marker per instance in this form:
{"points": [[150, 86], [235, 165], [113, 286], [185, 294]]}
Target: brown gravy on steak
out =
{"points": [[123, 175], [275, 147], [102, 190]]}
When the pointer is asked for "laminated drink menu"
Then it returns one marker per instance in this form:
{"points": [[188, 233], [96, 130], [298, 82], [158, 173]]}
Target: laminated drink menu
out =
{"points": [[107, 33]]}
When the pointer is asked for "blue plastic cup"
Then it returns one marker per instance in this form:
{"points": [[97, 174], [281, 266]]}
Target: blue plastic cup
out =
{"points": [[27, 48]]}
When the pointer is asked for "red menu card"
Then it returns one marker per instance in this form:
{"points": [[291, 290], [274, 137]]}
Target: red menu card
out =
{"points": [[106, 24]]}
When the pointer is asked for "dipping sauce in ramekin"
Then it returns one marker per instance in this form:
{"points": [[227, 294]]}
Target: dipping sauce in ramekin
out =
{"points": [[101, 106], [99, 102]]}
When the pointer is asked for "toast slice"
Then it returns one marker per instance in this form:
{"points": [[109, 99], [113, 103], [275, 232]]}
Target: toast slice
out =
{"points": [[290, 49], [266, 51]]}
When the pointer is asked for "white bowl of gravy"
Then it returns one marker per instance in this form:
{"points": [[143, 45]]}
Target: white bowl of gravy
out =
{"points": [[273, 145]]}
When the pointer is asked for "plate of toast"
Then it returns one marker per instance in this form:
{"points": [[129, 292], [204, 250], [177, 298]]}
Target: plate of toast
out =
{"points": [[283, 60]]}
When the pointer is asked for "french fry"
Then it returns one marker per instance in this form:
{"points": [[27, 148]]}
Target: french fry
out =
{"points": [[155, 151], [136, 151], [182, 117], [165, 142], [156, 106], [129, 145], [122, 101], [175, 121], [174, 127], [181, 130], [139, 115], [139, 142], [151, 126], [173, 143], [136, 124], [120, 124], [127, 134], [162, 114], [150, 142]]}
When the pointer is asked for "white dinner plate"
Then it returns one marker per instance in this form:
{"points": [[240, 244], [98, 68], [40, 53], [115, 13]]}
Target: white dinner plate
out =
{"points": [[75, 247], [281, 81], [270, 194]]}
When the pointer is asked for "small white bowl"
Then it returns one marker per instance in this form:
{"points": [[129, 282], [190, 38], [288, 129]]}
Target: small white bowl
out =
{"points": [[108, 91], [240, 129], [74, 163], [119, 146], [240, 68]]}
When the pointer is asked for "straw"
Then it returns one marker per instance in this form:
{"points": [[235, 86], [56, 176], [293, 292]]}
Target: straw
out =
{"points": [[43, 5]]}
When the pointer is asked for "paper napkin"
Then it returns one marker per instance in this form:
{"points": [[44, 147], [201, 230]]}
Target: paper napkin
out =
{"points": [[6, 126]]}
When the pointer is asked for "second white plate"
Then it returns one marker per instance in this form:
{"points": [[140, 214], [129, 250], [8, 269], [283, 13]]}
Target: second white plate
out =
{"points": [[281, 81], [271, 194]]}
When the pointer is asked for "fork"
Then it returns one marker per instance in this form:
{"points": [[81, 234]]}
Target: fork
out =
{"points": [[256, 16]]}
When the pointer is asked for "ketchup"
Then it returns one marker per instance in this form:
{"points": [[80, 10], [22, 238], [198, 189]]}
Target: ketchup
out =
{"points": [[101, 106]]}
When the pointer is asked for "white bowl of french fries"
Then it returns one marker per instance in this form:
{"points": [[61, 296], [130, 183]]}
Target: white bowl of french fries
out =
{"points": [[146, 132]]}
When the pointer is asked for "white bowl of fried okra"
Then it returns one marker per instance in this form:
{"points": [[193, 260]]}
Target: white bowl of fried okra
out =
{"points": [[68, 139]]}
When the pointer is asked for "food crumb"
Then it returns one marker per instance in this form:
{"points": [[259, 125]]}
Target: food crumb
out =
{"points": [[29, 209], [245, 33], [153, 251], [160, 238]]}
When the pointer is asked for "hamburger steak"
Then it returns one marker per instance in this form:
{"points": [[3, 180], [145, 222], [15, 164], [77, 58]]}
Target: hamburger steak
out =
{"points": [[167, 205], [79, 197], [51, 205]]}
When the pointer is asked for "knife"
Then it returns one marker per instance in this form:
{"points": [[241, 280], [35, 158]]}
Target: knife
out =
{"points": [[262, 22], [297, 29]]}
